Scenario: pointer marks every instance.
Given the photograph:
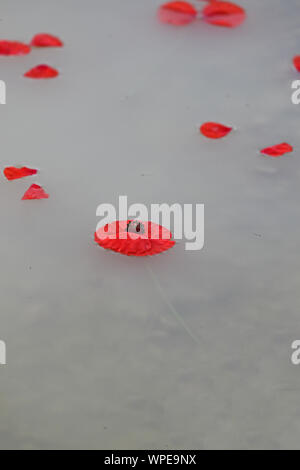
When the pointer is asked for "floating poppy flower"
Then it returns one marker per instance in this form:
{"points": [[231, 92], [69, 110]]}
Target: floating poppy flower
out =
{"points": [[35, 192], [134, 238], [177, 13], [296, 61], [225, 14], [13, 48], [213, 130], [42, 71], [13, 173], [277, 150], [46, 40]]}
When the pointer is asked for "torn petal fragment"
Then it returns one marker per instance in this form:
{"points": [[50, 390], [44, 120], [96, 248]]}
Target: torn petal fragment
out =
{"points": [[13, 173], [13, 48], [134, 238], [213, 130], [225, 14], [296, 62], [177, 13], [42, 72], [277, 150], [46, 40], [35, 192]]}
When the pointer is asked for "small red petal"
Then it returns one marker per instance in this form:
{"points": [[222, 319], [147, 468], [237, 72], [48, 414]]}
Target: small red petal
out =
{"points": [[296, 61], [225, 14], [277, 150], [46, 40], [150, 240], [213, 130], [13, 173], [35, 192], [177, 13], [13, 48], [42, 71]]}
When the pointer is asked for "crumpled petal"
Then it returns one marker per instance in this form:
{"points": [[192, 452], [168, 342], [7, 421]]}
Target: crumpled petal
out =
{"points": [[13, 173], [42, 72], [177, 13], [214, 130], [225, 14], [296, 62], [277, 150], [35, 192], [13, 48], [150, 240], [46, 40]]}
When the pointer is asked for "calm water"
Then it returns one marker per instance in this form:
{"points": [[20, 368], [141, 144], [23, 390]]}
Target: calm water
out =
{"points": [[96, 358]]}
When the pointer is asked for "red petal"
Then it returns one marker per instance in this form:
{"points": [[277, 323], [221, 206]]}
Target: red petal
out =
{"points": [[13, 48], [224, 14], [46, 40], [296, 61], [35, 192], [42, 71], [277, 150], [213, 130], [177, 13], [115, 236], [13, 173]]}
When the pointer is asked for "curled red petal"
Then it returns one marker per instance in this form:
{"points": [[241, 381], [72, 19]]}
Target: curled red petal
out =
{"points": [[296, 62], [151, 239], [46, 40], [13, 48], [213, 130], [35, 192], [177, 13], [277, 150], [42, 71], [225, 14], [13, 173]]}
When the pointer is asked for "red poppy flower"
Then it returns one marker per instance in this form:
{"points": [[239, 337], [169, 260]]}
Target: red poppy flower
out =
{"points": [[213, 130], [13, 173], [277, 150], [42, 71], [225, 14], [35, 192], [134, 238], [296, 61], [13, 48], [46, 40], [177, 13]]}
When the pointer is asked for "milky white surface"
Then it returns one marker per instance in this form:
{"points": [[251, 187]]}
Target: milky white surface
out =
{"points": [[96, 356]]}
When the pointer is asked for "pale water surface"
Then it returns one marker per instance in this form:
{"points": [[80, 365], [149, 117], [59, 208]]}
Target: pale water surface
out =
{"points": [[96, 358]]}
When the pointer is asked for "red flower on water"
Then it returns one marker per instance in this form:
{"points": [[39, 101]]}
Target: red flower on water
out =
{"points": [[213, 130], [13, 48], [13, 173], [42, 71], [134, 238], [46, 40], [296, 62], [225, 14], [35, 192], [277, 150], [177, 13]]}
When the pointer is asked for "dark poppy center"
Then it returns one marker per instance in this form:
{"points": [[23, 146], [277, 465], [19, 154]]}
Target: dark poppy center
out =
{"points": [[134, 226]]}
